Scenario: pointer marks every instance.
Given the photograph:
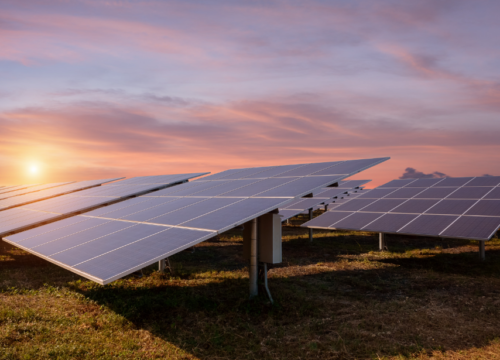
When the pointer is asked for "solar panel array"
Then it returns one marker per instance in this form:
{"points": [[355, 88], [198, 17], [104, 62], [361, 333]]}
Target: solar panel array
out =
{"points": [[16, 219], [110, 242], [450, 207]]}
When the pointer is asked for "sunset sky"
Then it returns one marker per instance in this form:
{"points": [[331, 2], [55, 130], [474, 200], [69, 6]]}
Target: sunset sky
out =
{"points": [[97, 89]]}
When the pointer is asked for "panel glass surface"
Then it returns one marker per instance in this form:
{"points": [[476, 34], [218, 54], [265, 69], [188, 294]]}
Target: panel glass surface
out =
{"points": [[454, 182], [383, 205], [327, 219], [390, 223], [435, 193], [405, 193], [473, 227], [425, 183], [397, 183], [470, 193], [431, 225], [355, 204], [413, 206], [356, 221], [485, 208], [485, 181]]}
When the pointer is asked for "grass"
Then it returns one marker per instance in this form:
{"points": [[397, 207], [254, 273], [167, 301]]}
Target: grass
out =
{"points": [[335, 298]]}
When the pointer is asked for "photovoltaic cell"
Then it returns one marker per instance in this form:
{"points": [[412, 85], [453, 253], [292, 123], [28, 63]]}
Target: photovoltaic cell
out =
{"points": [[390, 223], [224, 188], [348, 167], [425, 183], [123, 261], [356, 221], [485, 181], [494, 194], [330, 193], [286, 214], [470, 193], [454, 182], [435, 193], [413, 206], [299, 186], [258, 186], [451, 207], [355, 205], [473, 227], [376, 193], [397, 183], [328, 219], [485, 208], [431, 225], [404, 193], [312, 169], [90, 248], [233, 215], [383, 205], [274, 171]]}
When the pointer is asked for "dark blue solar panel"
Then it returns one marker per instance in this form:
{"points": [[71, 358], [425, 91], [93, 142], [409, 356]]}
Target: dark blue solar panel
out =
{"points": [[355, 204], [257, 187], [357, 221], [224, 188], [431, 225], [485, 208], [495, 194], [451, 207], [300, 186], [383, 205], [413, 206], [303, 204], [79, 238], [350, 167], [235, 214], [390, 222], [425, 183], [275, 171], [397, 183], [248, 173], [330, 193], [310, 169], [454, 182], [221, 175], [404, 193], [190, 212], [376, 193], [473, 227], [90, 248], [485, 181], [435, 193], [470, 193], [141, 253], [287, 214], [327, 219], [188, 188], [155, 211]]}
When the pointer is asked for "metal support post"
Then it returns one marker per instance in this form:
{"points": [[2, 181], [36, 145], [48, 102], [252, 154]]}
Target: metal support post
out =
{"points": [[254, 264], [310, 230], [482, 252], [381, 242], [163, 265]]}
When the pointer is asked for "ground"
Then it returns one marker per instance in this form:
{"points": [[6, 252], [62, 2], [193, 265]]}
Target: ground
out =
{"points": [[335, 298]]}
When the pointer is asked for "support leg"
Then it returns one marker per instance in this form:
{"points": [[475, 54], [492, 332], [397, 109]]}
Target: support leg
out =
{"points": [[310, 230], [161, 266], [254, 265], [381, 242], [482, 252]]}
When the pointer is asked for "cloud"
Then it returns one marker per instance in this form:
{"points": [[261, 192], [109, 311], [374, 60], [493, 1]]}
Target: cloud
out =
{"points": [[411, 173]]}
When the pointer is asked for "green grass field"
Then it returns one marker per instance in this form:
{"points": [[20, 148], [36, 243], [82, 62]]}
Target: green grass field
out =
{"points": [[335, 298]]}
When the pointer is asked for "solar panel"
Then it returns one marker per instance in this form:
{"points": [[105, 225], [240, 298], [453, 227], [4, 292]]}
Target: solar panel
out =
{"points": [[54, 208], [449, 207], [31, 189], [164, 228]]}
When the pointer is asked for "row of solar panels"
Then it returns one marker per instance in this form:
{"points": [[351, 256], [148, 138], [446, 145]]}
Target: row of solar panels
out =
{"points": [[118, 235], [467, 207], [321, 198]]}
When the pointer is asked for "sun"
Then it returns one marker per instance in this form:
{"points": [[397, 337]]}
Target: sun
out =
{"points": [[33, 169]]}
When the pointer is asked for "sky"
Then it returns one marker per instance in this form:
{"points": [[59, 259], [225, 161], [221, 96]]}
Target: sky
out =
{"points": [[97, 89]]}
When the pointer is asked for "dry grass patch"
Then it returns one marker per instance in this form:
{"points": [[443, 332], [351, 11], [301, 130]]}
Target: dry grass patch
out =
{"points": [[335, 298]]}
